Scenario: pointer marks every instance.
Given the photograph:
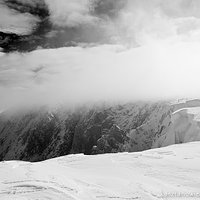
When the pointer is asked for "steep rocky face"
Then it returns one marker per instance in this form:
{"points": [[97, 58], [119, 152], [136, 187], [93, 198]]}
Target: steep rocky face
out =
{"points": [[141, 137], [33, 135], [41, 134], [111, 141]]}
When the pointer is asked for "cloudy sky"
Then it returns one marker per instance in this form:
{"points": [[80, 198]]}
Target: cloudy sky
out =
{"points": [[75, 51]]}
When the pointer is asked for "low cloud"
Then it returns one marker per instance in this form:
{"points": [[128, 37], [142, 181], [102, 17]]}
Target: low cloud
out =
{"points": [[103, 73]]}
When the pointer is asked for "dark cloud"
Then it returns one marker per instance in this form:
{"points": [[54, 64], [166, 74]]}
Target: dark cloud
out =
{"points": [[49, 34], [37, 8], [62, 23], [26, 42], [109, 8]]}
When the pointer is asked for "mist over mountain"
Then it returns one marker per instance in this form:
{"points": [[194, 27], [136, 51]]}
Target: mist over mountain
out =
{"points": [[99, 99], [43, 133], [72, 53]]}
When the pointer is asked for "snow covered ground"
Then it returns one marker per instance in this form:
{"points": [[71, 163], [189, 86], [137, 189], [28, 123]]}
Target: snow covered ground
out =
{"points": [[171, 172]]}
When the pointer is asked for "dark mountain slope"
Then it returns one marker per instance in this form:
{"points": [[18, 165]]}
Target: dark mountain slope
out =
{"points": [[40, 134]]}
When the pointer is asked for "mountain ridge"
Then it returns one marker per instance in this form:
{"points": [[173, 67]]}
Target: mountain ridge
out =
{"points": [[45, 133]]}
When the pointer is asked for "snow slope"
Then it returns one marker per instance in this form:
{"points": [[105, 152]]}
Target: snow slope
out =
{"points": [[166, 173]]}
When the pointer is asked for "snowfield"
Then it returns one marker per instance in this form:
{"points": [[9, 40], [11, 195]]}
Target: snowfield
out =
{"points": [[171, 172]]}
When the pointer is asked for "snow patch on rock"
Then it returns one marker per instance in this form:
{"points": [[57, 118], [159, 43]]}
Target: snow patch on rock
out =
{"points": [[184, 127]]}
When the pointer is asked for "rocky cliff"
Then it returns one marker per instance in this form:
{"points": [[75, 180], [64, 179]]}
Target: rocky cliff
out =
{"points": [[43, 133]]}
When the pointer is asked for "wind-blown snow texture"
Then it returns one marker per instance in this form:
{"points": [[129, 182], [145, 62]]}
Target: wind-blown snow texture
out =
{"points": [[42, 134], [167, 173]]}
